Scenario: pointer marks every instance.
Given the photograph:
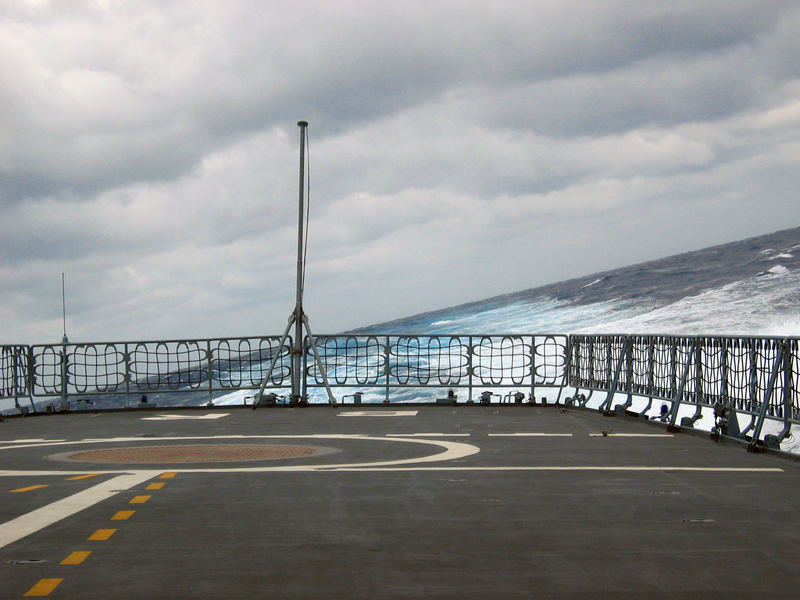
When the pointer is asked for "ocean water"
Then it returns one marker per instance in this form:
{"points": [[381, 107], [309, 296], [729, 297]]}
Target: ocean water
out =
{"points": [[745, 288]]}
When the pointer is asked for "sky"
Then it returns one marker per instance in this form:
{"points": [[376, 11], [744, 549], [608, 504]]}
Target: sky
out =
{"points": [[457, 150]]}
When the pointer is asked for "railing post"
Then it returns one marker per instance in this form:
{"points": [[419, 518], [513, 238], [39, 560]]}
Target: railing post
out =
{"points": [[753, 377], [64, 377], [470, 367], [572, 359], [14, 376], [651, 352], [629, 374], [762, 413], [565, 374], [533, 366], [386, 369], [788, 384], [787, 394], [31, 377], [127, 358], [605, 407], [699, 365], [209, 373], [678, 397], [724, 377], [698, 380]]}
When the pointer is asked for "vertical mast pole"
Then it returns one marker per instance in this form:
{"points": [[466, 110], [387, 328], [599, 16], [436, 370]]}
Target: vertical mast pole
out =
{"points": [[298, 317], [297, 350]]}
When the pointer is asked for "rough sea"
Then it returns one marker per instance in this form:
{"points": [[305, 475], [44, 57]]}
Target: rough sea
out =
{"points": [[745, 288]]}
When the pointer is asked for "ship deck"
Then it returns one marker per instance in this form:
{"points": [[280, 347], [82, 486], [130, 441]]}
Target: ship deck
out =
{"points": [[402, 501]]}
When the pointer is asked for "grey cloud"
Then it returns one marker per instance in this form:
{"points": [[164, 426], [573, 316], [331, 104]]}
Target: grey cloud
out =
{"points": [[458, 150], [143, 95]]}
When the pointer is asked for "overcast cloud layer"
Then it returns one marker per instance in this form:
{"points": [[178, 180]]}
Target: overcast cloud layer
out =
{"points": [[459, 150]]}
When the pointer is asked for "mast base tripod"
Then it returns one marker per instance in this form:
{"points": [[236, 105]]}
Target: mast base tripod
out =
{"points": [[297, 398]]}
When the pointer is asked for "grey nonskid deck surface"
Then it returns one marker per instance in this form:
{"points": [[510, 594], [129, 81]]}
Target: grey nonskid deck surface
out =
{"points": [[397, 502]]}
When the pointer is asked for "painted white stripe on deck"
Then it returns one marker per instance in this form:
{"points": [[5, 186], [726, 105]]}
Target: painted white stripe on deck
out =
{"points": [[40, 518], [531, 434], [379, 413], [576, 468], [644, 435], [395, 466], [428, 434], [28, 441]]}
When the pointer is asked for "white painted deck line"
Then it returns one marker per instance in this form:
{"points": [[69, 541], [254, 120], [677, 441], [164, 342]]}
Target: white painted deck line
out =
{"points": [[577, 468], [38, 519], [29, 441], [428, 434], [379, 413], [638, 435], [395, 466], [530, 434]]}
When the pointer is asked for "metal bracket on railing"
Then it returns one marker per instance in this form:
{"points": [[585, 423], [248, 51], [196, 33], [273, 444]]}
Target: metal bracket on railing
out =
{"points": [[356, 398], [565, 372], [517, 397], [578, 399], [756, 443], [451, 398], [698, 387], [605, 407], [486, 397], [678, 398], [788, 385]]}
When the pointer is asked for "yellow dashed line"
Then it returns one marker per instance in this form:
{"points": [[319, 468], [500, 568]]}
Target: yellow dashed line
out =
{"points": [[101, 535], [44, 587], [76, 558], [28, 489], [123, 515]]}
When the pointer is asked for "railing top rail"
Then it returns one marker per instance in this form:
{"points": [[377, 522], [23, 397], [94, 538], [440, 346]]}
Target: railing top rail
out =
{"points": [[153, 341], [688, 336]]}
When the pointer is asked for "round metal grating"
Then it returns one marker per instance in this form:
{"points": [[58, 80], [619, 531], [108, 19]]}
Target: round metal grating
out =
{"points": [[191, 453]]}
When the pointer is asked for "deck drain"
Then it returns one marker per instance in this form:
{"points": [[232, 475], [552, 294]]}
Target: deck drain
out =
{"points": [[192, 453]]}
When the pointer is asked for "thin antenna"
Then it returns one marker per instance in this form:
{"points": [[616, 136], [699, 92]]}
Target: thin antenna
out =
{"points": [[64, 340]]}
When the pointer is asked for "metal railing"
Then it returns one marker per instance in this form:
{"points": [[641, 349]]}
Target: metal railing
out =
{"points": [[754, 377], [118, 371], [121, 371], [458, 362]]}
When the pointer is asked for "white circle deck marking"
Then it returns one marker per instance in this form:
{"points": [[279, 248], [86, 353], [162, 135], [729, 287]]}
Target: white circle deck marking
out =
{"points": [[452, 451]]}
